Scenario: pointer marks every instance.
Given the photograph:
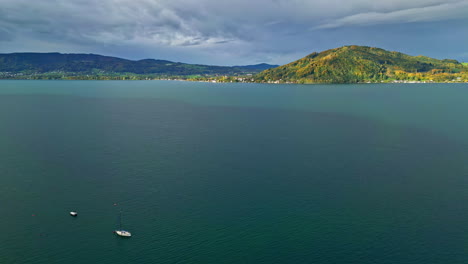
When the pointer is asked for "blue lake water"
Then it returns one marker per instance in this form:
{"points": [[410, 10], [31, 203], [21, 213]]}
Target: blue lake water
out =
{"points": [[233, 173]]}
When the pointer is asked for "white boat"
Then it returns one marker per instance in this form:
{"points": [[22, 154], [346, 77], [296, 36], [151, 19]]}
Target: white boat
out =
{"points": [[120, 231], [73, 213], [123, 233]]}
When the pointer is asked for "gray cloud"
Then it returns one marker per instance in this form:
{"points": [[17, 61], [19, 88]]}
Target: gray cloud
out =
{"points": [[272, 30], [436, 12], [5, 35]]}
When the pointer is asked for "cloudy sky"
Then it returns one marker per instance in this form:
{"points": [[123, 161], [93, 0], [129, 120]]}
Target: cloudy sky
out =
{"points": [[231, 32]]}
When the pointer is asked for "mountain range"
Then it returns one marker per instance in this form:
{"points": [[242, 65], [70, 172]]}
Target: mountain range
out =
{"points": [[348, 64], [92, 63]]}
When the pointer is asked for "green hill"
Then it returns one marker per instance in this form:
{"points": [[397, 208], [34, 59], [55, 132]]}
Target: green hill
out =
{"points": [[79, 64], [352, 64]]}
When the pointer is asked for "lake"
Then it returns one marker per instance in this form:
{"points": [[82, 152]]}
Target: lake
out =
{"points": [[233, 173]]}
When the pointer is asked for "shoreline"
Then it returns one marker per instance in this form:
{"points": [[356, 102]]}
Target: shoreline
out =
{"points": [[215, 81]]}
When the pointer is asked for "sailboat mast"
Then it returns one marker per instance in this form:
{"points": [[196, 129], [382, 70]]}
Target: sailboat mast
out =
{"points": [[120, 220]]}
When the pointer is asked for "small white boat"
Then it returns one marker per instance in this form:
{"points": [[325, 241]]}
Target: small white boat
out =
{"points": [[73, 213], [123, 233]]}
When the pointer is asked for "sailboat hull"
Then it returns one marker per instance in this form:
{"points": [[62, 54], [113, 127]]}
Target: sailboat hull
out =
{"points": [[123, 233]]}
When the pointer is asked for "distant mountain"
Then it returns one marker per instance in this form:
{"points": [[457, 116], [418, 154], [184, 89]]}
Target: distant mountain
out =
{"points": [[261, 66], [92, 63], [351, 64]]}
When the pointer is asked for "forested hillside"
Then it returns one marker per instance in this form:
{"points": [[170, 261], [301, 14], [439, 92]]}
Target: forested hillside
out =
{"points": [[352, 64]]}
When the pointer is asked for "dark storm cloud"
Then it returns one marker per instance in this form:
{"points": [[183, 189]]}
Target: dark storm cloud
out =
{"points": [[214, 31]]}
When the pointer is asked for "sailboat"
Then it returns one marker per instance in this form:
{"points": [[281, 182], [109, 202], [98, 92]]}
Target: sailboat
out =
{"points": [[120, 231]]}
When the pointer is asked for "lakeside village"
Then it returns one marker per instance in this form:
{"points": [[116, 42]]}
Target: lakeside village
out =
{"points": [[247, 78], [59, 75]]}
